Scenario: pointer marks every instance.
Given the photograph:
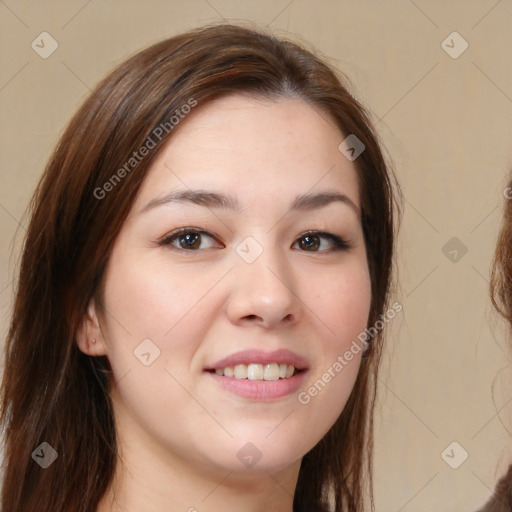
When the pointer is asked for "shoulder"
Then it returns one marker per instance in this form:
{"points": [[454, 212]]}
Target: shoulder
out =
{"points": [[501, 500]]}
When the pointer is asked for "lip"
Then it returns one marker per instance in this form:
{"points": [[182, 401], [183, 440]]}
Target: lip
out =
{"points": [[256, 356], [260, 390]]}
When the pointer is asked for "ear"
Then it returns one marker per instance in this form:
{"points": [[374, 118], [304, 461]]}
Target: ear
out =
{"points": [[89, 337]]}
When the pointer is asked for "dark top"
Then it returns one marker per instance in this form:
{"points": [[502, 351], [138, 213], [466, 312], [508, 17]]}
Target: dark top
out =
{"points": [[501, 500]]}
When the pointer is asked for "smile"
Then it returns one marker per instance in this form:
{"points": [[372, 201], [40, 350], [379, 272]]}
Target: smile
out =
{"points": [[260, 376], [255, 371]]}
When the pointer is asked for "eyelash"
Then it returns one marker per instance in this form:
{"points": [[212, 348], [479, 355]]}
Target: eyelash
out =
{"points": [[339, 244]]}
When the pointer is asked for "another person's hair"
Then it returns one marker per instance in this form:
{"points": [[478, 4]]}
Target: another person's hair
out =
{"points": [[54, 393], [501, 297], [501, 274]]}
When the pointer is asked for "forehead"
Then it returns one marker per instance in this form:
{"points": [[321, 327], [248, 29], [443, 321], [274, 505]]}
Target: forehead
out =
{"points": [[254, 148]]}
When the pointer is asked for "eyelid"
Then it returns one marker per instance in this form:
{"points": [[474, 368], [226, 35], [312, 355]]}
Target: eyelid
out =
{"points": [[167, 238], [337, 241]]}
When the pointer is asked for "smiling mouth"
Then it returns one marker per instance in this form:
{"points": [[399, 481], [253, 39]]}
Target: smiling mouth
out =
{"points": [[255, 371]]}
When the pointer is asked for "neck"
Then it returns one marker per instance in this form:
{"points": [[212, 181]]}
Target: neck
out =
{"points": [[148, 477]]}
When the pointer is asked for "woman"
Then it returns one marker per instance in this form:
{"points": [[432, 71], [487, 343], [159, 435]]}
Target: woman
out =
{"points": [[203, 289], [501, 296]]}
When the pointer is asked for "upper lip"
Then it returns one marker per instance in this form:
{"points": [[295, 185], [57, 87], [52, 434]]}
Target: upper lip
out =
{"points": [[256, 356]]}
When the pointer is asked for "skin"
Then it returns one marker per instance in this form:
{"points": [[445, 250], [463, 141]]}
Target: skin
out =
{"points": [[179, 432]]}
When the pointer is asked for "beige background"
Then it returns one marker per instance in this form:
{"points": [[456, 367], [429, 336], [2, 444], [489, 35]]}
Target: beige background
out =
{"points": [[447, 124]]}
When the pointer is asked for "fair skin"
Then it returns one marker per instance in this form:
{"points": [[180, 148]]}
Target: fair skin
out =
{"points": [[179, 427]]}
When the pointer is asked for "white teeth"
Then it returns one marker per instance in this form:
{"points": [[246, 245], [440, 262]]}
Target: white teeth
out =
{"points": [[253, 371], [241, 371], [271, 371]]}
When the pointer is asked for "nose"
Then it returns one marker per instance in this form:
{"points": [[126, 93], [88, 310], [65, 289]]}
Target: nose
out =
{"points": [[264, 293]]}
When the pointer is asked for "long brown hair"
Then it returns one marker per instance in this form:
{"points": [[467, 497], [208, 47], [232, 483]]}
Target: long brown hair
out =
{"points": [[501, 297], [54, 393], [501, 274]]}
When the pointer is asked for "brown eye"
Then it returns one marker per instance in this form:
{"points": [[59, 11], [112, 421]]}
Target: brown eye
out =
{"points": [[318, 241], [189, 240], [309, 243]]}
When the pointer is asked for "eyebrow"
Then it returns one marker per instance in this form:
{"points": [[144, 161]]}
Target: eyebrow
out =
{"points": [[208, 199]]}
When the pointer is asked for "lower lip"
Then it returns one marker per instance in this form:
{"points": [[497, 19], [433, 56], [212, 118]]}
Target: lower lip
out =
{"points": [[260, 390]]}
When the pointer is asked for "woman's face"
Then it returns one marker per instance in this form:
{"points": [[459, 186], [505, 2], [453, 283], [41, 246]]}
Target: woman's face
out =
{"points": [[216, 288]]}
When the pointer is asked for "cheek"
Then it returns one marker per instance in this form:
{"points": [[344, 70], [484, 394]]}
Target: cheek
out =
{"points": [[342, 308], [342, 302], [173, 309], [154, 300], [156, 318]]}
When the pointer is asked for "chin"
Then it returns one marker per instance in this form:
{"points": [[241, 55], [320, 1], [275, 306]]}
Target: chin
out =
{"points": [[251, 457]]}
